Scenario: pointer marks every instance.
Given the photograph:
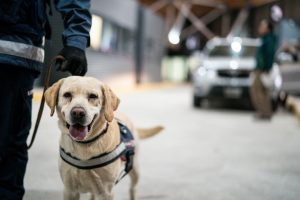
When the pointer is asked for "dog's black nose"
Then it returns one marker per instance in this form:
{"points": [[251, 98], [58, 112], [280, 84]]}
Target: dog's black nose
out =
{"points": [[78, 113]]}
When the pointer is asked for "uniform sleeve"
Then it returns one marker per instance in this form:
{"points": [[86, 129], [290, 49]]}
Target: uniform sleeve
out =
{"points": [[77, 22]]}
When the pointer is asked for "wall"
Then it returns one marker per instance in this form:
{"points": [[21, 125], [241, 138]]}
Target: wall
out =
{"points": [[122, 67], [153, 46], [123, 12]]}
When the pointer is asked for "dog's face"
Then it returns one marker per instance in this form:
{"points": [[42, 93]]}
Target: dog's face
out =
{"points": [[80, 103]]}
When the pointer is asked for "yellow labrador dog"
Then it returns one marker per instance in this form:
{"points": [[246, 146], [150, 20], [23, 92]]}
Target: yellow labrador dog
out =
{"points": [[91, 149]]}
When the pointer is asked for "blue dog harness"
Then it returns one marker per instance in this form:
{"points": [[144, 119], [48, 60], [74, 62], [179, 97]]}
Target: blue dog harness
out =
{"points": [[124, 151]]}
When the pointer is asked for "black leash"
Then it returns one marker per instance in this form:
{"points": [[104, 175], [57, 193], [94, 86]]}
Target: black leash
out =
{"points": [[41, 109]]}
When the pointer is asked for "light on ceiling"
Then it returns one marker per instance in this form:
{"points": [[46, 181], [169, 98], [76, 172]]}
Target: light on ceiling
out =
{"points": [[174, 37], [276, 13]]}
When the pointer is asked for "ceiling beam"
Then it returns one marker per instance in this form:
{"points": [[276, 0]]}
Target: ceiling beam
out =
{"points": [[212, 15], [208, 3], [175, 31], [157, 5], [170, 18], [262, 2], [206, 19], [239, 22], [195, 20]]}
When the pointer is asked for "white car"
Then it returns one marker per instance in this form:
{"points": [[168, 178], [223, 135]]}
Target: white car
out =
{"points": [[225, 71]]}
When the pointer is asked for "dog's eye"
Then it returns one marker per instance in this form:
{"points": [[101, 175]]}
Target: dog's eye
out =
{"points": [[67, 95], [93, 96]]}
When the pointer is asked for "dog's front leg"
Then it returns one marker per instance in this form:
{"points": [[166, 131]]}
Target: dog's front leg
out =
{"points": [[70, 195], [101, 197]]}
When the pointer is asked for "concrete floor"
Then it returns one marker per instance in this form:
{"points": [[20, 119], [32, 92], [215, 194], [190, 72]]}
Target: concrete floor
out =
{"points": [[209, 153]]}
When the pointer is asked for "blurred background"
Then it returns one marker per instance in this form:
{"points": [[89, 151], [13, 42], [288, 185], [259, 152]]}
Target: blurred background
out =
{"points": [[163, 40], [186, 64]]}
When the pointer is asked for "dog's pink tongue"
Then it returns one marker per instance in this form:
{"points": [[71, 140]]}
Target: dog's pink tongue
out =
{"points": [[78, 132]]}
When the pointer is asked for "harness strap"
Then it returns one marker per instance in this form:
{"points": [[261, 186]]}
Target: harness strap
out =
{"points": [[128, 157], [95, 162]]}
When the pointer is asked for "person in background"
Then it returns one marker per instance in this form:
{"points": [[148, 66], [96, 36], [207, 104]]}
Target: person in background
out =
{"points": [[23, 26], [260, 93]]}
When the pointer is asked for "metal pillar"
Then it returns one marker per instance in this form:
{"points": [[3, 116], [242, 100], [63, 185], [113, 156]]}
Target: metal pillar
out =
{"points": [[139, 44]]}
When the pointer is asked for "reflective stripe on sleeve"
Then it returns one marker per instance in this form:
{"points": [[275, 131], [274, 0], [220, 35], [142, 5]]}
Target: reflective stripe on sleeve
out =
{"points": [[22, 50]]}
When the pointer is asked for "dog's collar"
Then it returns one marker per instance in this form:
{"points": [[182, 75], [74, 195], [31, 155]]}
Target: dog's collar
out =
{"points": [[94, 138], [96, 161]]}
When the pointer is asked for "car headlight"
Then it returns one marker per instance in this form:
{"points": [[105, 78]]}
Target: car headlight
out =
{"points": [[203, 71]]}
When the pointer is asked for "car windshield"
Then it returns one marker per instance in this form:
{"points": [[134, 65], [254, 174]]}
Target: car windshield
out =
{"points": [[228, 51]]}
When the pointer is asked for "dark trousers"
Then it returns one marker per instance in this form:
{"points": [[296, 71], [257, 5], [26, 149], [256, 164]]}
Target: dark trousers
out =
{"points": [[15, 122]]}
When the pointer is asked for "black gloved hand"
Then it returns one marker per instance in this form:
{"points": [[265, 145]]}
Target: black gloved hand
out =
{"points": [[75, 61]]}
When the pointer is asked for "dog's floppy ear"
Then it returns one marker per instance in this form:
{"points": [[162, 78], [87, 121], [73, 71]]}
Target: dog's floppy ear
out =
{"points": [[51, 95], [111, 102]]}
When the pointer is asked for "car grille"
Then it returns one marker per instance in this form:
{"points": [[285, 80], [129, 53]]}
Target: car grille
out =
{"points": [[231, 73]]}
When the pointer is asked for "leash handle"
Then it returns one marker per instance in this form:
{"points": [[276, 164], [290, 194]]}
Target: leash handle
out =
{"points": [[41, 109]]}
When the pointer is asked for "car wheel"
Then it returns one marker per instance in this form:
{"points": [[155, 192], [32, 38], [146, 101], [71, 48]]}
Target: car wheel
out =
{"points": [[197, 101]]}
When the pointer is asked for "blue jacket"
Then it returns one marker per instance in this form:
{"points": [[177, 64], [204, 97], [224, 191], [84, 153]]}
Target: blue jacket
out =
{"points": [[24, 23]]}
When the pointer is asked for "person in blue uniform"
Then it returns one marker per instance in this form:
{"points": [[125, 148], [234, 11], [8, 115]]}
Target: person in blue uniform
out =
{"points": [[23, 26]]}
